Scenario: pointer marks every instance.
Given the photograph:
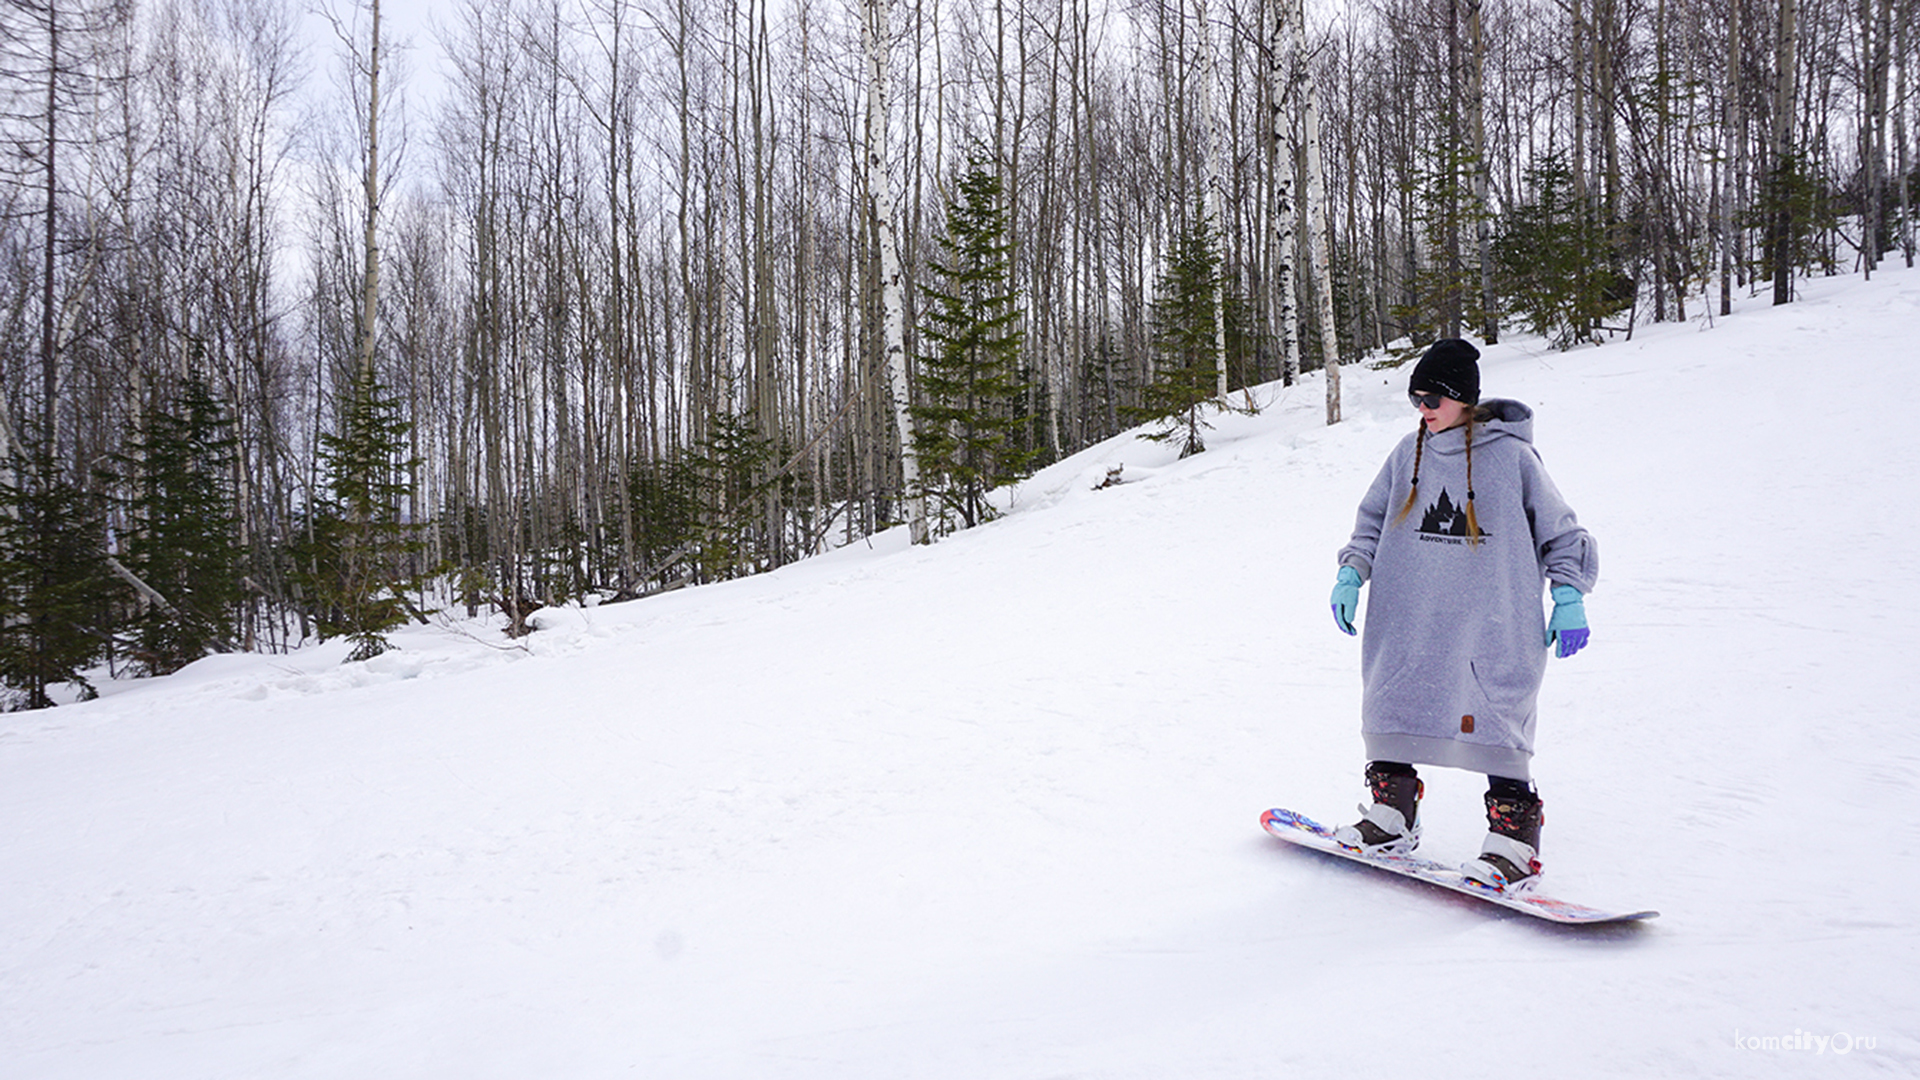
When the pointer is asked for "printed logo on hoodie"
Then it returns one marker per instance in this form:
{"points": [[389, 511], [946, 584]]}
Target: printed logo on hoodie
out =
{"points": [[1445, 522]]}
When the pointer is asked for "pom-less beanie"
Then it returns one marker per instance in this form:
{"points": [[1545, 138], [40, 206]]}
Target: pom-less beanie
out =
{"points": [[1451, 367]]}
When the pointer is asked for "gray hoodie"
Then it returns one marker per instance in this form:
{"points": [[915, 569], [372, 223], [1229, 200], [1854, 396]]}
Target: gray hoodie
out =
{"points": [[1455, 633]]}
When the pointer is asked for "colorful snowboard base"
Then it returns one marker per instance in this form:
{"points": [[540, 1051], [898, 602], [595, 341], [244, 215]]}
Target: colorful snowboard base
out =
{"points": [[1307, 833]]}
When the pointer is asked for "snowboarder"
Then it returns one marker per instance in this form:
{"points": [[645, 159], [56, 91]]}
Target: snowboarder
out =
{"points": [[1458, 534]]}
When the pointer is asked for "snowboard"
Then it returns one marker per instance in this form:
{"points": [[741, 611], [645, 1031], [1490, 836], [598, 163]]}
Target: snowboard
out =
{"points": [[1307, 833]]}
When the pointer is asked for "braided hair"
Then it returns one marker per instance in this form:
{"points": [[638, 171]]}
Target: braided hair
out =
{"points": [[1480, 414]]}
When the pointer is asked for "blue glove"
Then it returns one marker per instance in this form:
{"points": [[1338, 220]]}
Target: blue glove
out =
{"points": [[1346, 598], [1568, 626]]}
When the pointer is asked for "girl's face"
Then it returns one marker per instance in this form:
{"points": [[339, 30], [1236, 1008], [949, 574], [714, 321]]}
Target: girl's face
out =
{"points": [[1439, 412]]}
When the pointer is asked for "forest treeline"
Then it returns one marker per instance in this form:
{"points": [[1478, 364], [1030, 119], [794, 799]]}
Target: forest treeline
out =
{"points": [[646, 293]]}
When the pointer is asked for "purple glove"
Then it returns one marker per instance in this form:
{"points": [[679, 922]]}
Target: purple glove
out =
{"points": [[1567, 628]]}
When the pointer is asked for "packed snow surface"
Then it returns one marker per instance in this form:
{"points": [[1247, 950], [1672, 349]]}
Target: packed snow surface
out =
{"points": [[990, 808]]}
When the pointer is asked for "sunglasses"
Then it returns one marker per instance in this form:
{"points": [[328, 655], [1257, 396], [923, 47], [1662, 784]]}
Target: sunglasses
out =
{"points": [[1425, 401]]}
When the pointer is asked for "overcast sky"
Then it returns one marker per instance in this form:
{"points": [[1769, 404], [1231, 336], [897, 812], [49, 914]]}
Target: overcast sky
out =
{"points": [[409, 20]]}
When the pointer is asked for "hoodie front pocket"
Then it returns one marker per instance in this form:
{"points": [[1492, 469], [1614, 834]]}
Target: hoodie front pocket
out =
{"points": [[1506, 689]]}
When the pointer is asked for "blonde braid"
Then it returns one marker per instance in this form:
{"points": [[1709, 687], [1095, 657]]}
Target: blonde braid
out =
{"points": [[1473, 520], [1413, 491]]}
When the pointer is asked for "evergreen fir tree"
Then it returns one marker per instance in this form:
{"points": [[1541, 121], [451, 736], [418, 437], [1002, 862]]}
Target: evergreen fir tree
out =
{"points": [[731, 466], [1553, 261], [358, 553], [1108, 382], [1445, 293], [181, 537], [1795, 196], [54, 582], [1186, 316], [666, 513], [560, 571], [463, 534], [972, 421]]}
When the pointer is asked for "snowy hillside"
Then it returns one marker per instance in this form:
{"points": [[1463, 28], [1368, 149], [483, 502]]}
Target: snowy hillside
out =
{"points": [[990, 808]]}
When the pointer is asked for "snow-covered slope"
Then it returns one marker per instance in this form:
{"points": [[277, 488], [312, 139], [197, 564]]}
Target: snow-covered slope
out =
{"points": [[989, 809]]}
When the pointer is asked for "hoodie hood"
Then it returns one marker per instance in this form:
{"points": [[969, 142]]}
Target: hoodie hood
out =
{"points": [[1511, 420]]}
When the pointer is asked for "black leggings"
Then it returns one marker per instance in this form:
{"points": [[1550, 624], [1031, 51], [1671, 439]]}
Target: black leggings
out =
{"points": [[1500, 787]]}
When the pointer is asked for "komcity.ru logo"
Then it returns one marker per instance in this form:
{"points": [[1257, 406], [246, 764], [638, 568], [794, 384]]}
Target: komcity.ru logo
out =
{"points": [[1805, 1042]]}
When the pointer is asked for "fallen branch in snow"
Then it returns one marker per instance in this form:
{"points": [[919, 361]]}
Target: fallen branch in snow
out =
{"points": [[153, 595]]}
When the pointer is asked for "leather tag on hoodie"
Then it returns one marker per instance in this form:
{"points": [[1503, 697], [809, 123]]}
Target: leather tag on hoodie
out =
{"points": [[1466, 725]]}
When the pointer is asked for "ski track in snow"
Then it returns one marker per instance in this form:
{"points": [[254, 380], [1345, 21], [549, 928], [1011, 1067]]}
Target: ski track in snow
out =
{"points": [[989, 808]]}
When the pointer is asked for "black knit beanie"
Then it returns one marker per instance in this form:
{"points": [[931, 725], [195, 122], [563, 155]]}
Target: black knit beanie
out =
{"points": [[1449, 366]]}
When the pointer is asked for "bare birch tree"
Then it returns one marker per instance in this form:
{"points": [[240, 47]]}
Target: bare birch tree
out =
{"points": [[1781, 156], [877, 38], [1282, 166], [1293, 65], [1876, 24], [1480, 156], [1213, 144]]}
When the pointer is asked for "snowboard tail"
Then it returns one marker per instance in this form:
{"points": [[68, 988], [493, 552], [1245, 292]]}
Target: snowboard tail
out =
{"points": [[1302, 831]]}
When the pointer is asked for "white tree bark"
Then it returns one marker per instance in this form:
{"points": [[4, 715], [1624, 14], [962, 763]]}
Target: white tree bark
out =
{"points": [[370, 272], [1293, 34], [1901, 22], [1482, 168], [1212, 140], [1878, 29], [1287, 224], [1731, 124], [893, 316], [1282, 160], [1779, 240]]}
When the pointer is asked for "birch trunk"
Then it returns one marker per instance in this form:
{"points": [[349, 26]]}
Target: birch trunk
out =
{"points": [[1729, 141], [1307, 95], [1581, 192], [370, 239], [893, 318], [1879, 29], [1212, 181], [1780, 228], [1477, 133], [1901, 45], [1282, 161], [49, 365]]}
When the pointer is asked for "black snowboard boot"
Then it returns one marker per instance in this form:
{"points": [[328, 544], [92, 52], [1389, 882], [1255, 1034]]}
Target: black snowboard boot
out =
{"points": [[1510, 856], [1391, 826]]}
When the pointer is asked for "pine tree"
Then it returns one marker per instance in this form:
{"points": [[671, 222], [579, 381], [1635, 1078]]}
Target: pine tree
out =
{"points": [[666, 512], [54, 582], [730, 463], [1554, 263], [1798, 208], [358, 553], [1186, 314], [1446, 291], [971, 417], [181, 530]]}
